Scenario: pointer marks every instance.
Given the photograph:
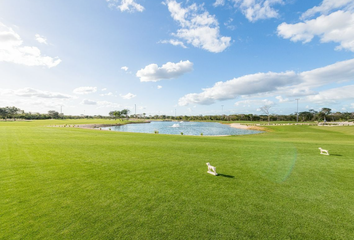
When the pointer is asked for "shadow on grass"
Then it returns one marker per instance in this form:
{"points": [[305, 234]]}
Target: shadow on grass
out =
{"points": [[338, 155], [224, 175]]}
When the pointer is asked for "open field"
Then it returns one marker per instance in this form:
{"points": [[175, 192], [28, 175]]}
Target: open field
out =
{"points": [[71, 183]]}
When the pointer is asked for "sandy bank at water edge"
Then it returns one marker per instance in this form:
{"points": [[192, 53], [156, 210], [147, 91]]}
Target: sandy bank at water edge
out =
{"points": [[240, 126]]}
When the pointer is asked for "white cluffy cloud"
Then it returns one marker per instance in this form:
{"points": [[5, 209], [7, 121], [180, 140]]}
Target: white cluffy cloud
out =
{"points": [[327, 6], [88, 102], [154, 73], [254, 9], [12, 50], [126, 5], [281, 99], [258, 9], [198, 27], [246, 85], [125, 68], [219, 3], [334, 95], [128, 96], [285, 83], [336, 27], [41, 39], [85, 90], [174, 42], [33, 93], [100, 104]]}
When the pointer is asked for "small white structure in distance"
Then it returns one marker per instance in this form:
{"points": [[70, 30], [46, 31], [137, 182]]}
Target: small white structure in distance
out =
{"points": [[324, 152], [211, 169]]}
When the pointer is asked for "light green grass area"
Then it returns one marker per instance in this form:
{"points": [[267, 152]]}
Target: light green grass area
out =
{"points": [[70, 183]]}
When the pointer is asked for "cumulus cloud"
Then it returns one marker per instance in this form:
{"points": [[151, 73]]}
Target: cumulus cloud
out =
{"points": [[88, 102], [128, 96], [288, 83], [246, 85], [219, 3], [281, 99], [100, 104], [198, 27], [338, 72], [335, 26], [13, 51], [258, 9], [333, 95], [174, 42], [159, 87], [33, 93], [254, 9], [125, 5], [85, 90], [125, 68], [327, 6], [41, 39], [154, 73]]}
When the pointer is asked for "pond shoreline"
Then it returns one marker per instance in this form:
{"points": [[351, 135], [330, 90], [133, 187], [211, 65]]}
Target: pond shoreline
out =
{"points": [[194, 128], [240, 126], [97, 126]]}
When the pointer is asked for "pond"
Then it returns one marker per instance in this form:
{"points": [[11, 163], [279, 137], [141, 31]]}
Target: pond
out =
{"points": [[187, 128]]}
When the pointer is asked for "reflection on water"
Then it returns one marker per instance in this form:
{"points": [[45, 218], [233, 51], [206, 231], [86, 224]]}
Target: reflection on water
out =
{"points": [[187, 128]]}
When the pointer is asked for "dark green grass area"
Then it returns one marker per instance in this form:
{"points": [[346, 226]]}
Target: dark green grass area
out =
{"points": [[69, 183]]}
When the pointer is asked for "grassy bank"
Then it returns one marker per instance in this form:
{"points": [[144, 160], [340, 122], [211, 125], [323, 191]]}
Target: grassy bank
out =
{"points": [[70, 183]]}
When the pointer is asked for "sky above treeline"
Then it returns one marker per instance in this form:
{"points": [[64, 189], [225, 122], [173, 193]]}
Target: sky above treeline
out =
{"points": [[177, 57]]}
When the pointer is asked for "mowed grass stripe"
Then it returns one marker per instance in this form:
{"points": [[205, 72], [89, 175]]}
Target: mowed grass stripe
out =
{"points": [[67, 183]]}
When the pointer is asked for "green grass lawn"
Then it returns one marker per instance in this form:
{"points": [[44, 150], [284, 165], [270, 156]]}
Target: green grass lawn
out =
{"points": [[70, 183]]}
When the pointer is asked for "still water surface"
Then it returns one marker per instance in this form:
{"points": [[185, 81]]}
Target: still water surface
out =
{"points": [[187, 128]]}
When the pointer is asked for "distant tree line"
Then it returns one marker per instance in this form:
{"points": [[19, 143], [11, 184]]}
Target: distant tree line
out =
{"points": [[306, 116], [16, 113], [311, 115]]}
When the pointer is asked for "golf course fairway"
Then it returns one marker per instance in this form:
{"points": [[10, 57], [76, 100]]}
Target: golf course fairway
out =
{"points": [[73, 183]]}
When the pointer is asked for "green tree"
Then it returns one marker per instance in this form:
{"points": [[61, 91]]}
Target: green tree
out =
{"points": [[116, 114], [3, 113], [11, 112], [53, 114], [125, 112], [305, 116], [325, 112]]}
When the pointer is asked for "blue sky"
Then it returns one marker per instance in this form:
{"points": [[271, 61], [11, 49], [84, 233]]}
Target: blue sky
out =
{"points": [[173, 56]]}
